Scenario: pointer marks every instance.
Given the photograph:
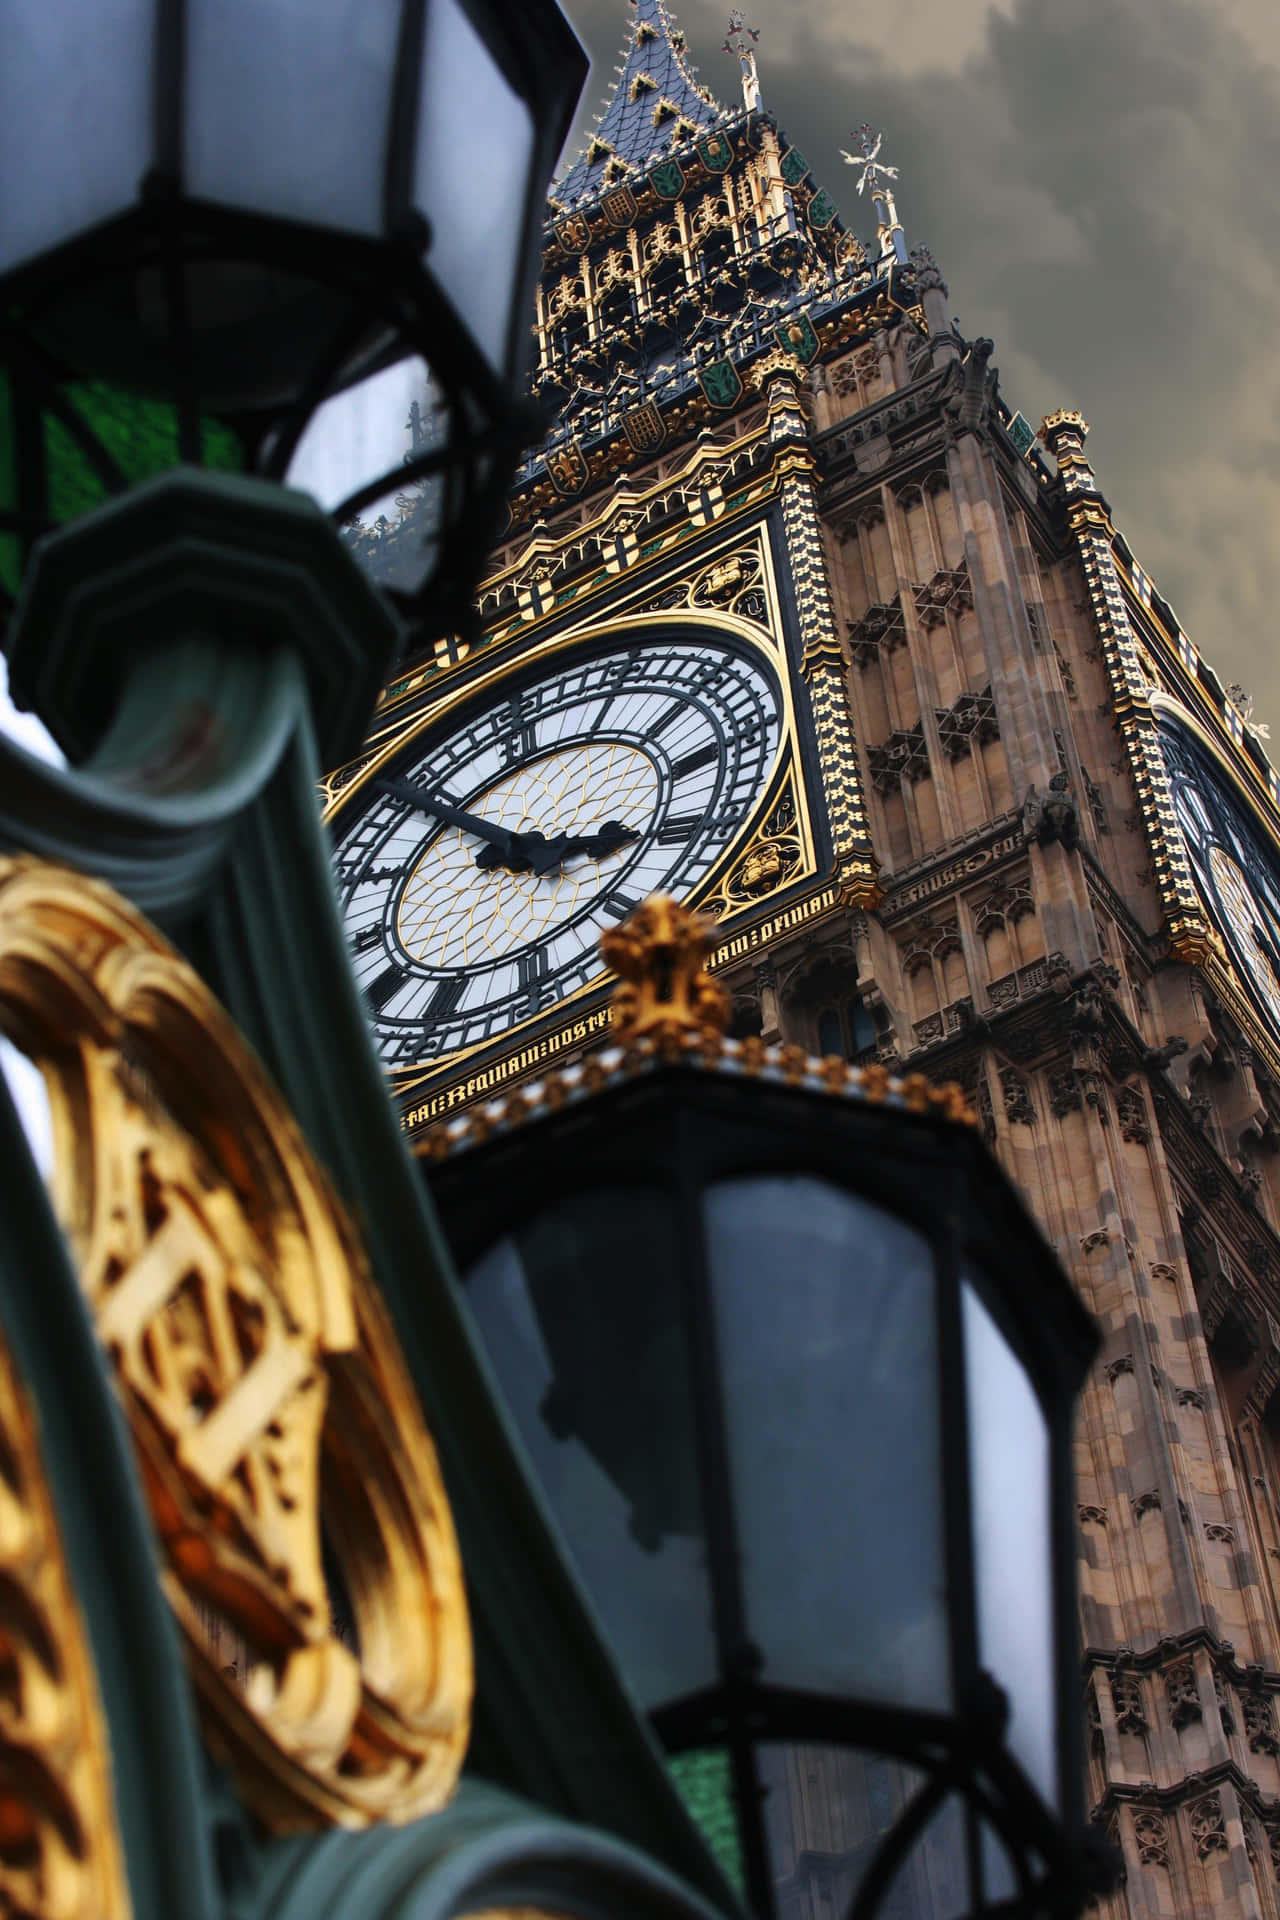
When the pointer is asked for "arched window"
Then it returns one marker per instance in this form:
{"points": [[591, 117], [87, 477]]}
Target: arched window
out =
{"points": [[861, 1028], [830, 1032]]}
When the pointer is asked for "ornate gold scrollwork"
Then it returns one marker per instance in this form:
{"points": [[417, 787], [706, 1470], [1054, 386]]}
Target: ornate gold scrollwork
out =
{"points": [[60, 1855], [773, 857], [293, 1484]]}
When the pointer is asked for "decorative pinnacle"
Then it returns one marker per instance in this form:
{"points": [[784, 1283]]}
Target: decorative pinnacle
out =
{"points": [[666, 991], [741, 43], [874, 173]]}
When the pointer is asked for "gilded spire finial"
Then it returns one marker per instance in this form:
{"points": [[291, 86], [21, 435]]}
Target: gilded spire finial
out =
{"points": [[875, 172], [665, 990], [741, 43]]}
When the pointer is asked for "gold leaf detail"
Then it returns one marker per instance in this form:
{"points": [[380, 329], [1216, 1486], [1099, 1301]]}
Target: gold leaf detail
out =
{"points": [[310, 1554]]}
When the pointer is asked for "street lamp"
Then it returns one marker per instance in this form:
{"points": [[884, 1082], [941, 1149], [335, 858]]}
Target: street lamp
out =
{"points": [[796, 1371], [249, 231]]}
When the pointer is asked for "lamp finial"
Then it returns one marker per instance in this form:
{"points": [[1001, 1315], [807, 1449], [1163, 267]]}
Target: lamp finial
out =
{"points": [[665, 990]]}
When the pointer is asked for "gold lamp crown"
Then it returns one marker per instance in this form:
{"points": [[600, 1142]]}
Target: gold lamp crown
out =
{"points": [[665, 990]]}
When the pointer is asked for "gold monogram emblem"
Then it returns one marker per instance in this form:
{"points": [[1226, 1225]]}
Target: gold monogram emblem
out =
{"points": [[310, 1554]]}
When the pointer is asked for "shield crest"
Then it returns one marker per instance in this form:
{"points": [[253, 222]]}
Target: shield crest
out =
{"points": [[644, 427], [715, 152], [794, 166], [822, 210], [720, 382], [567, 466], [619, 206], [667, 179], [797, 336], [573, 233]]}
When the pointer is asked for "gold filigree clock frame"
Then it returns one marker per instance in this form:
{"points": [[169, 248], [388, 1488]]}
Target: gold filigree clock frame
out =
{"points": [[292, 1481]]}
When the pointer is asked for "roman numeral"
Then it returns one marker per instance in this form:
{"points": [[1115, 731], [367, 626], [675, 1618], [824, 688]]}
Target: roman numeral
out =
{"points": [[366, 938], [678, 828], [671, 714], [694, 762], [384, 985], [618, 906], [446, 997], [532, 967]]}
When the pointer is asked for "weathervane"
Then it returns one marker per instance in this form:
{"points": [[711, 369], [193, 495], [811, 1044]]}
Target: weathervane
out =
{"points": [[741, 44], [875, 172]]}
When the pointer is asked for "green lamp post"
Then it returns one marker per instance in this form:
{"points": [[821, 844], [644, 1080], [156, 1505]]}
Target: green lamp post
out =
{"points": [[226, 233]]}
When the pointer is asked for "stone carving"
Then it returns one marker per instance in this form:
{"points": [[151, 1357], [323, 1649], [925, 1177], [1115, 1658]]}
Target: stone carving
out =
{"points": [[1131, 1110], [1052, 816], [1208, 1825], [948, 591], [881, 628], [1191, 1397], [1064, 1093], [1092, 1516], [1126, 1697], [1123, 1363], [1017, 1099], [1181, 1690], [1259, 1721], [928, 278], [903, 756], [1216, 1530], [1223, 1698], [1151, 1837], [231, 1297]]}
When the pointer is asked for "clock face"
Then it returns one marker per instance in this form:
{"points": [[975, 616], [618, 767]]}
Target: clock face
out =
{"points": [[573, 795], [1234, 872]]}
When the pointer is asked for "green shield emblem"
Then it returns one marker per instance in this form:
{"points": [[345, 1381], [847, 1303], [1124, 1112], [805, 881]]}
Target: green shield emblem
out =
{"points": [[667, 179], [797, 336], [715, 152], [822, 210], [794, 166], [720, 382]]}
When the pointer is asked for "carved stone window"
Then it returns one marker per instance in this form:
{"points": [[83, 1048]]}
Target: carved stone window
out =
{"points": [[1259, 1721]]}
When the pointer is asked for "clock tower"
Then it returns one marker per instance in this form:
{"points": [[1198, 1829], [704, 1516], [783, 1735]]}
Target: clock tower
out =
{"points": [[796, 617]]}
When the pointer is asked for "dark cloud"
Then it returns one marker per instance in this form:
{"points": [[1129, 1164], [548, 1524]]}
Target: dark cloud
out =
{"points": [[1098, 183]]}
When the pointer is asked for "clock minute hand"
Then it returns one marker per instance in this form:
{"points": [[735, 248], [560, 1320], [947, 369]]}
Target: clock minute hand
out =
{"points": [[511, 847]]}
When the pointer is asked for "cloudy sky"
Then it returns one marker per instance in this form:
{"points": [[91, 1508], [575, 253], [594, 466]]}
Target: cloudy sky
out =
{"points": [[1098, 180]]}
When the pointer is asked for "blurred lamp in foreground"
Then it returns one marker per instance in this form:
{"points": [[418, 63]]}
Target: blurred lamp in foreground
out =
{"points": [[796, 1371], [286, 239]]}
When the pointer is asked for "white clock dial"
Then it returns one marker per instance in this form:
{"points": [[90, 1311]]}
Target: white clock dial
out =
{"points": [[579, 792]]}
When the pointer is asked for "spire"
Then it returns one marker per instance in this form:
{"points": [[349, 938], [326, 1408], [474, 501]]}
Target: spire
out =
{"points": [[742, 44], [657, 103], [875, 172]]}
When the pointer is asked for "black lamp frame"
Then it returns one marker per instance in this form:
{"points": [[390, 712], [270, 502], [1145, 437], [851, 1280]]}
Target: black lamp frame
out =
{"points": [[388, 303], [684, 1130]]}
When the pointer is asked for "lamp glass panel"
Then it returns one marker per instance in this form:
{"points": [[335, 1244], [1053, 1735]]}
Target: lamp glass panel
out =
{"points": [[582, 1316], [1013, 1548], [287, 107], [827, 1811], [933, 1881], [75, 118], [471, 174], [827, 1334], [370, 429]]}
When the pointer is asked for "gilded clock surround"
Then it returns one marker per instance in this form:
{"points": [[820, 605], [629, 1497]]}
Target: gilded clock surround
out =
{"points": [[731, 589], [277, 1432]]}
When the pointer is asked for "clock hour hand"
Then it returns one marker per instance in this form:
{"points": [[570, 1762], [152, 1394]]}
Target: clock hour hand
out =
{"points": [[503, 849], [553, 853]]}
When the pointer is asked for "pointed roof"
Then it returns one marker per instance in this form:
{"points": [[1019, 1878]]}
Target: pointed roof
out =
{"points": [[657, 103]]}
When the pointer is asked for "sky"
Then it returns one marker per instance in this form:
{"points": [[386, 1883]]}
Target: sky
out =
{"points": [[1098, 182]]}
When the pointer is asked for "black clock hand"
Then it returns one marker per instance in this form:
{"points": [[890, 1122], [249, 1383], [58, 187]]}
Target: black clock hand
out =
{"points": [[504, 848], [607, 839]]}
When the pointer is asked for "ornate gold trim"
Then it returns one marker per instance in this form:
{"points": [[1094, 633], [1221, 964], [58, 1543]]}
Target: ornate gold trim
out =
{"points": [[290, 1475], [60, 1851]]}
